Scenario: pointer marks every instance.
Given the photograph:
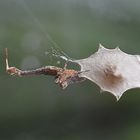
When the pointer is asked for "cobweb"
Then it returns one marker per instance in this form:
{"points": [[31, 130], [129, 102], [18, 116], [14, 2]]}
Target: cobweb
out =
{"points": [[53, 48]]}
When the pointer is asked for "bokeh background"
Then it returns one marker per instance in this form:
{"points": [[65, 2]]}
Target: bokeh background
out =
{"points": [[34, 108]]}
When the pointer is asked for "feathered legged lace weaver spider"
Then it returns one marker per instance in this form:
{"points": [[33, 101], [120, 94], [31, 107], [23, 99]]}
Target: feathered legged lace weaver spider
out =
{"points": [[63, 76]]}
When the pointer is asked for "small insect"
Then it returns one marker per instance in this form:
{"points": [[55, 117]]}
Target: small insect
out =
{"points": [[63, 76]]}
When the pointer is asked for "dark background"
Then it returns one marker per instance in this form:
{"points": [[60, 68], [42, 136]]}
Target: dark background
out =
{"points": [[34, 108]]}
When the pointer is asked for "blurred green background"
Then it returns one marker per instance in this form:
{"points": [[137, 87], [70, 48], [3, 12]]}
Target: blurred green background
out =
{"points": [[34, 108]]}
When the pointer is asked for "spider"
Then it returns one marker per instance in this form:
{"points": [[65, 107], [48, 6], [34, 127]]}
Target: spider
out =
{"points": [[63, 76]]}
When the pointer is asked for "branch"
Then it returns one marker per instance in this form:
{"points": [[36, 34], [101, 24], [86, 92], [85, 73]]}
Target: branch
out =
{"points": [[47, 70], [63, 76]]}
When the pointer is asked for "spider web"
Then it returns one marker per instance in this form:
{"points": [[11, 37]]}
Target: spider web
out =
{"points": [[54, 48]]}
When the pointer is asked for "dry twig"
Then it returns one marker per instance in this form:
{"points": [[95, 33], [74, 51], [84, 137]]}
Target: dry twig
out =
{"points": [[63, 76]]}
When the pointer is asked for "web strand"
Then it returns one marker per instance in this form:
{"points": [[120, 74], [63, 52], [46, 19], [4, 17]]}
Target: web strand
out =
{"points": [[55, 50]]}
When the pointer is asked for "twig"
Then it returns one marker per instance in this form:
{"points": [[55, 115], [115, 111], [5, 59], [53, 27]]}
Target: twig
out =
{"points": [[63, 76]]}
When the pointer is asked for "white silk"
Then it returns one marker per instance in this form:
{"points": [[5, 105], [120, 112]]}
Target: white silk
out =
{"points": [[112, 70]]}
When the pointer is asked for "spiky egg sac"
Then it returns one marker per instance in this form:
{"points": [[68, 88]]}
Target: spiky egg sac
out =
{"points": [[112, 70]]}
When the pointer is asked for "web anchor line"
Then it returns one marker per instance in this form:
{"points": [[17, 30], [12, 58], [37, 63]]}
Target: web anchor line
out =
{"points": [[55, 48]]}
